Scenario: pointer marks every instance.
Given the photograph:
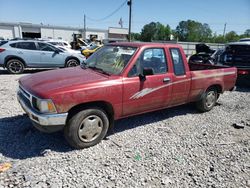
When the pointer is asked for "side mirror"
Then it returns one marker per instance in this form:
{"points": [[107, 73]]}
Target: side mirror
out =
{"points": [[142, 77], [145, 72], [57, 51]]}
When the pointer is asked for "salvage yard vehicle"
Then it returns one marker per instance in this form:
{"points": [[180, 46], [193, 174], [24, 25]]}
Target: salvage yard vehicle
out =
{"points": [[203, 54], [17, 55], [235, 54], [119, 80], [89, 51]]}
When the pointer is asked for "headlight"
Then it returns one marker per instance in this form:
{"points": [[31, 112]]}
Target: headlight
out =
{"points": [[45, 106]]}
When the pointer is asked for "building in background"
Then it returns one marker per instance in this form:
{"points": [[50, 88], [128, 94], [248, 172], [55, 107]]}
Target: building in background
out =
{"points": [[10, 30]]}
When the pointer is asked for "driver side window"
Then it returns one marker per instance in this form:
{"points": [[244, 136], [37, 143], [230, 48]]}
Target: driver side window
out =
{"points": [[151, 58], [45, 47]]}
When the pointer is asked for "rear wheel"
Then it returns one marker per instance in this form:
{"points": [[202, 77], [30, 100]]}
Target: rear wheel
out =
{"points": [[72, 63], [208, 100], [15, 66], [86, 128]]}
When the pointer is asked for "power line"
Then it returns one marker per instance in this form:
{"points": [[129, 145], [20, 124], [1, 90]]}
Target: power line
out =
{"points": [[108, 16]]}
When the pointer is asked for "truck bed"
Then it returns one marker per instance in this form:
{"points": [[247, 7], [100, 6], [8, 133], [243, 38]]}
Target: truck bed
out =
{"points": [[207, 75], [196, 67]]}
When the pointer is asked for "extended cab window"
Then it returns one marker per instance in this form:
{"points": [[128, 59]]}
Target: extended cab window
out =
{"points": [[177, 60], [26, 45], [152, 58]]}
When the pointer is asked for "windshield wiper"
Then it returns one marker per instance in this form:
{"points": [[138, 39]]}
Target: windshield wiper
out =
{"points": [[99, 70]]}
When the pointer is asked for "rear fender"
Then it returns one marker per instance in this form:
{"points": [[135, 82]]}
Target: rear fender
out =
{"points": [[7, 58]]}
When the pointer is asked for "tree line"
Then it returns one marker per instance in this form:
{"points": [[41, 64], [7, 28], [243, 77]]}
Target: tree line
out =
{"points": [[187, 31]]}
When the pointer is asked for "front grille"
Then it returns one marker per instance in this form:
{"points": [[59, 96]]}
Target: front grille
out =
{"points": [[24, 98], [28, 98], [24, 92]]}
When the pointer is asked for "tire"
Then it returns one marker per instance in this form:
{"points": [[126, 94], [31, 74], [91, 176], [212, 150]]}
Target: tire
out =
{"points": [[208, 100], [218, 96], [86, 128], [15, 66], [72, 63]]}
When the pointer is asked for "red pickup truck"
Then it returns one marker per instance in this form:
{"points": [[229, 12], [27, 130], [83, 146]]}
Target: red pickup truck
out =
{"points": [[119, 80]]}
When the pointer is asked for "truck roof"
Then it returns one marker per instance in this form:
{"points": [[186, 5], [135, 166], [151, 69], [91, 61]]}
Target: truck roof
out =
{"points": [[145, 44]]}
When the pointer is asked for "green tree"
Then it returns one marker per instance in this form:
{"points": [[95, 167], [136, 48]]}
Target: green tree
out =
{"points": [[231, 36], [247, 33], [192, 31], [218, 39], [148, 32], [136, 36], [155, 31], [162, 32]]}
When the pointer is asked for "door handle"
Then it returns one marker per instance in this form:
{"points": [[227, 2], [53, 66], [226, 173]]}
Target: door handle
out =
{"points": [[42, 53], [19, 52], [166, 80]]}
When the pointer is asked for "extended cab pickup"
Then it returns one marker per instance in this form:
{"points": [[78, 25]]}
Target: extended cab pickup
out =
{"points": [[119, 80]]}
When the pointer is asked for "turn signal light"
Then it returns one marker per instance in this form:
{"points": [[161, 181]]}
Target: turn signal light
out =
{"points": [[1, 50]]}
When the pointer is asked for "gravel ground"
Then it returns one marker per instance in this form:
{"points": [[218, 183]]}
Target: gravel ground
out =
{"points": [[177, 147]]}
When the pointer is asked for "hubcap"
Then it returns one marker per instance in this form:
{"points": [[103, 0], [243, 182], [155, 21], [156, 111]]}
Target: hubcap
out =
{"points": [[90, 128], [72, 63], [15, 66], [211, 98]]}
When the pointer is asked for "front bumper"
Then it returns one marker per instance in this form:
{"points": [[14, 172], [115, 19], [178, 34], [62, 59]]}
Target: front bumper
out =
{"points": [[43, 119]]}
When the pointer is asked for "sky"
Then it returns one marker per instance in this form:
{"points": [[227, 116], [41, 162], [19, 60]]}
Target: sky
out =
{"points": [[235, 13]]}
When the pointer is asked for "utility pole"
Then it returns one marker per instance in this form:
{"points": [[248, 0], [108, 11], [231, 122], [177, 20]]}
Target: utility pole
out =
{"points": [[224, 32], [84, 29], [129, 3]]}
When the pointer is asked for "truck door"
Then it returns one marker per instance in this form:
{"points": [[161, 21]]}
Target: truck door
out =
{"points": [[181, 78], [149, 91]]}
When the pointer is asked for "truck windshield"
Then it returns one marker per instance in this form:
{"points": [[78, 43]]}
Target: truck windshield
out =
{"points": [[110, 59]]}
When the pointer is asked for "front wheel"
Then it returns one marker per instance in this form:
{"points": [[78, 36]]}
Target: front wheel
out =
{"points": [[72, 63], [208, 100], [15, 66], [86, 128]]}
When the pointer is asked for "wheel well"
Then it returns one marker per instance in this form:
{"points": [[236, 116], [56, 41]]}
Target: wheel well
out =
{"points": [[71, 57], [13, 57], [107, 107], [217, 87]]}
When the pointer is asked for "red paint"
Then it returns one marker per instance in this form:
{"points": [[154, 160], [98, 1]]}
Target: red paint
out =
{"points": [[243, 72], [73, 86]]}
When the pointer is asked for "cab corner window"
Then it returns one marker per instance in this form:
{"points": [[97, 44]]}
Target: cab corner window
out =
{"points": [[177, 60], [153, 59]]}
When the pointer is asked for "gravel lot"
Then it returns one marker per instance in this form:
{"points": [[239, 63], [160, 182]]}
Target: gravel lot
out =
{"points": [[177, 147]]}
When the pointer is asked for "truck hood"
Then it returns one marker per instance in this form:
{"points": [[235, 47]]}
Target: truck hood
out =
{"points": [[43, 84]]}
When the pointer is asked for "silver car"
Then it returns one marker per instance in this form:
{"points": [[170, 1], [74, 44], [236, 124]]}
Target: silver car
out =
{"points": [[17, 55]]}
